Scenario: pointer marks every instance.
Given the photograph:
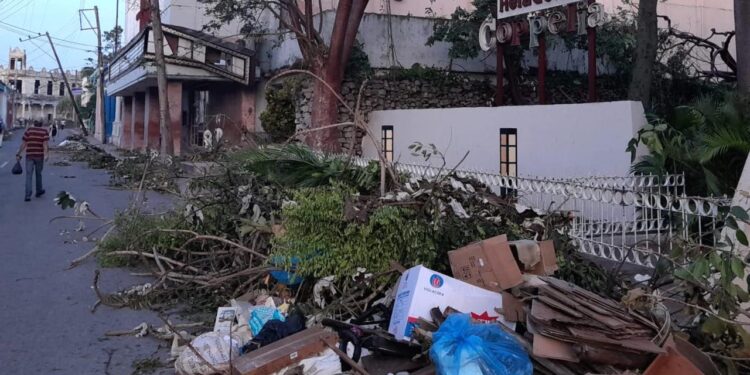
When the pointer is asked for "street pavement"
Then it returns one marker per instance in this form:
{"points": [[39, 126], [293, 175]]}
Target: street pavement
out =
{"points": [[46, 326]]}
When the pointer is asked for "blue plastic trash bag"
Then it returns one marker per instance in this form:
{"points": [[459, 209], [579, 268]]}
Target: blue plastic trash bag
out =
{"points": [[262, 314], [462, 348]]}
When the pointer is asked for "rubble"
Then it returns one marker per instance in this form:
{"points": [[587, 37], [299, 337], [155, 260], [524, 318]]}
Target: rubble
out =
{"points": [[257, 243]]}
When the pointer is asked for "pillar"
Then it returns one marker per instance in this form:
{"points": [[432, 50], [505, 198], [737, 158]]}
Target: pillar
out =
{"points": [[126, 139], [139, 108], [117, 123], [247, 106], [151, 120], [174, 93]]}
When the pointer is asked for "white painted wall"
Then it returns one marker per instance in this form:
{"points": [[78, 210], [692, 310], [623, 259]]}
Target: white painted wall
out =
{"points": [[563, 140], [185, 13]]}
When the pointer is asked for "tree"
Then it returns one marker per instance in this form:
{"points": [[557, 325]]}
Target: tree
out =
{"points": [[742, 28], [324, 60], [165, 122], [462, 31], [645, 52], [111, 42]]}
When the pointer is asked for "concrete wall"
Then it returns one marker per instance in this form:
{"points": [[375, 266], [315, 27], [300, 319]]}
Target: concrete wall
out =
{"points": [[553, 140], [186, 13]]}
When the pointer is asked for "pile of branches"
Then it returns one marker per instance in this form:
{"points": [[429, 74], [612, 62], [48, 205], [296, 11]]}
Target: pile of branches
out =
{"points": [[141, 171], [239, 219], [80, 149], [214, 248]]}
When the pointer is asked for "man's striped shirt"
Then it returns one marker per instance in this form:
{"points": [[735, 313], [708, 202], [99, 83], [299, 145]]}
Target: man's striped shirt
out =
{"points": [[35, 139]]}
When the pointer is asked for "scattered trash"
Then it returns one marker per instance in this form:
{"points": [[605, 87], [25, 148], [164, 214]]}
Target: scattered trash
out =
{"points": [[209, 353], [461, 347], [290, 350], [421, 289]]}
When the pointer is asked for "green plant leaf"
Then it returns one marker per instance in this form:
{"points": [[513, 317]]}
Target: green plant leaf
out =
{"points": [[713, 325], [731, 223], [738, 268], [740, 213], [741, 237]]}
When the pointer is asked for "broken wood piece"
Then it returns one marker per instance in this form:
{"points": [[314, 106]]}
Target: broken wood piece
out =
{"points": [[285, 352]]}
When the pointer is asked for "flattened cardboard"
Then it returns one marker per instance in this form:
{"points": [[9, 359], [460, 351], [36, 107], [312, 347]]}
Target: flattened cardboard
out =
{"points": [[513, 308], [488, 264], [545, 347]]}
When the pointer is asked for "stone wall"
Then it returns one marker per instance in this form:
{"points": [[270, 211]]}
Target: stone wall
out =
{"points": [[387, 92]]}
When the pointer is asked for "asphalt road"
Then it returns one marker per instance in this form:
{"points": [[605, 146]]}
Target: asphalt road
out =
{"points": [[46, 326]]}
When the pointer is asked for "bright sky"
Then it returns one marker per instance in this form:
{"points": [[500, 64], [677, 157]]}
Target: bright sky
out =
{"points": [[21, 18]]}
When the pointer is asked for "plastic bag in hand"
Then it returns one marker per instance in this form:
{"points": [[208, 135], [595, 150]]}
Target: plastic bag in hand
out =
{"points": [[17, 168], [462, 348]]}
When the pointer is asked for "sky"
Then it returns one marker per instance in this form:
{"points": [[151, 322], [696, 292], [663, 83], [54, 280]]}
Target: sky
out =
{"points": [[23, 18]]}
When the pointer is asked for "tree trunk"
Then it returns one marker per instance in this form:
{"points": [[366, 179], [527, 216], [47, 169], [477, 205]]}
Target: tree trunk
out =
{"points": [[165, 122], [324, 108], [331, 68], [645, 53], [742, 39]]}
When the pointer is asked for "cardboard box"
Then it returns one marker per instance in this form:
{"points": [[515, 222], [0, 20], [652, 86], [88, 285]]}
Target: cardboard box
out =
{"points": [[548, 264], [287, 351], [487, 264], [421, 289]]}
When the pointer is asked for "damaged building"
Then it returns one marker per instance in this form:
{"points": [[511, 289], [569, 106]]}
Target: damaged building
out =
{"points": [[37, 93]]}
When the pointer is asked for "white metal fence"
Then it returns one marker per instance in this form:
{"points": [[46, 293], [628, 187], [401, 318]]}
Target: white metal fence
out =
{"points": [[630, 218]]}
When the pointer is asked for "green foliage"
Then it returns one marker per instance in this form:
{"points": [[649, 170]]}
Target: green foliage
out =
{"points": [[294, 165], [708, 140], [278, 118], [138, 232], [708, 278], [318, 233], [358, 66]]}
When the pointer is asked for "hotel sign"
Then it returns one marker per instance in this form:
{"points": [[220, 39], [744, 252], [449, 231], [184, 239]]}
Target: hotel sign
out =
{"points": [[510, 8]]}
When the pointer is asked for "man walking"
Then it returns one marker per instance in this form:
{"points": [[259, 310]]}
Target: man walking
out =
{"points": [[37, 151]]}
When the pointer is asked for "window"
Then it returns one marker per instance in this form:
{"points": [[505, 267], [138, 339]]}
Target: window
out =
{"points": [[49, 87], [386, 137], [19, 86], [508, 152], [62, 88], [36, 86]]}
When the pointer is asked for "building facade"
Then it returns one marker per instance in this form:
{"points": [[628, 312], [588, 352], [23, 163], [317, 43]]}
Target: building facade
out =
{"points": [[37, 93]]}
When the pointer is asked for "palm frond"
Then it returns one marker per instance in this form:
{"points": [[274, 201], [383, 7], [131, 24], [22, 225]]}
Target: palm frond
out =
{"points": [[723, 140]]}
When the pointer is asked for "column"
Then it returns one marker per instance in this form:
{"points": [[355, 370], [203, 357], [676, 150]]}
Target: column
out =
{"points": [[151, 120], [174, 93], [126, 129], [139, 109], [117, 123]]}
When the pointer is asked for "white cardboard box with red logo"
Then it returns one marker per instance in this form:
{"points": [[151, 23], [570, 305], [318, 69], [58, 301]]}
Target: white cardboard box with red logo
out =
{"points": [[421, 289]]}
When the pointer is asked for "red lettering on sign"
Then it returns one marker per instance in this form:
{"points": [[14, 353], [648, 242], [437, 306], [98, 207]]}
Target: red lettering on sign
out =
{"points": [[503, 6], [526, 3], [538, 1], [513, 4]]}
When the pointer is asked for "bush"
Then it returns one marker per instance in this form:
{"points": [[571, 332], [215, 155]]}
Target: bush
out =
{"points": [[319, 232], [278, 118]]}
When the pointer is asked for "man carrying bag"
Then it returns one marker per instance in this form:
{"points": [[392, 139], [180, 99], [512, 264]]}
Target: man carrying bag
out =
{"points": [[35, 142]]}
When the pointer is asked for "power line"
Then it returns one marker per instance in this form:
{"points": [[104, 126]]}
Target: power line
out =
{"points": [[37, 33]]}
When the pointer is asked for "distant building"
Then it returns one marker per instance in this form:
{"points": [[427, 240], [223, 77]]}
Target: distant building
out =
{"points": [[38, 91], [5, 92]]}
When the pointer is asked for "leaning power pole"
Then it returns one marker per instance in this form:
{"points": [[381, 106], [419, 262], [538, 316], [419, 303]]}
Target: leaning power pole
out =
{"points": [[67, 86], [99, 111], [165, 121]]}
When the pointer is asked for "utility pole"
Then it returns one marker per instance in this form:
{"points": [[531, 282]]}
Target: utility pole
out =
{"points": [[99, 111], [67, 86], [165, 121]]}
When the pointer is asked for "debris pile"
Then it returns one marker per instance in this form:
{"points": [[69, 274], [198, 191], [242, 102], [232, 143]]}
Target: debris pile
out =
{"points": [[301, 257]]}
